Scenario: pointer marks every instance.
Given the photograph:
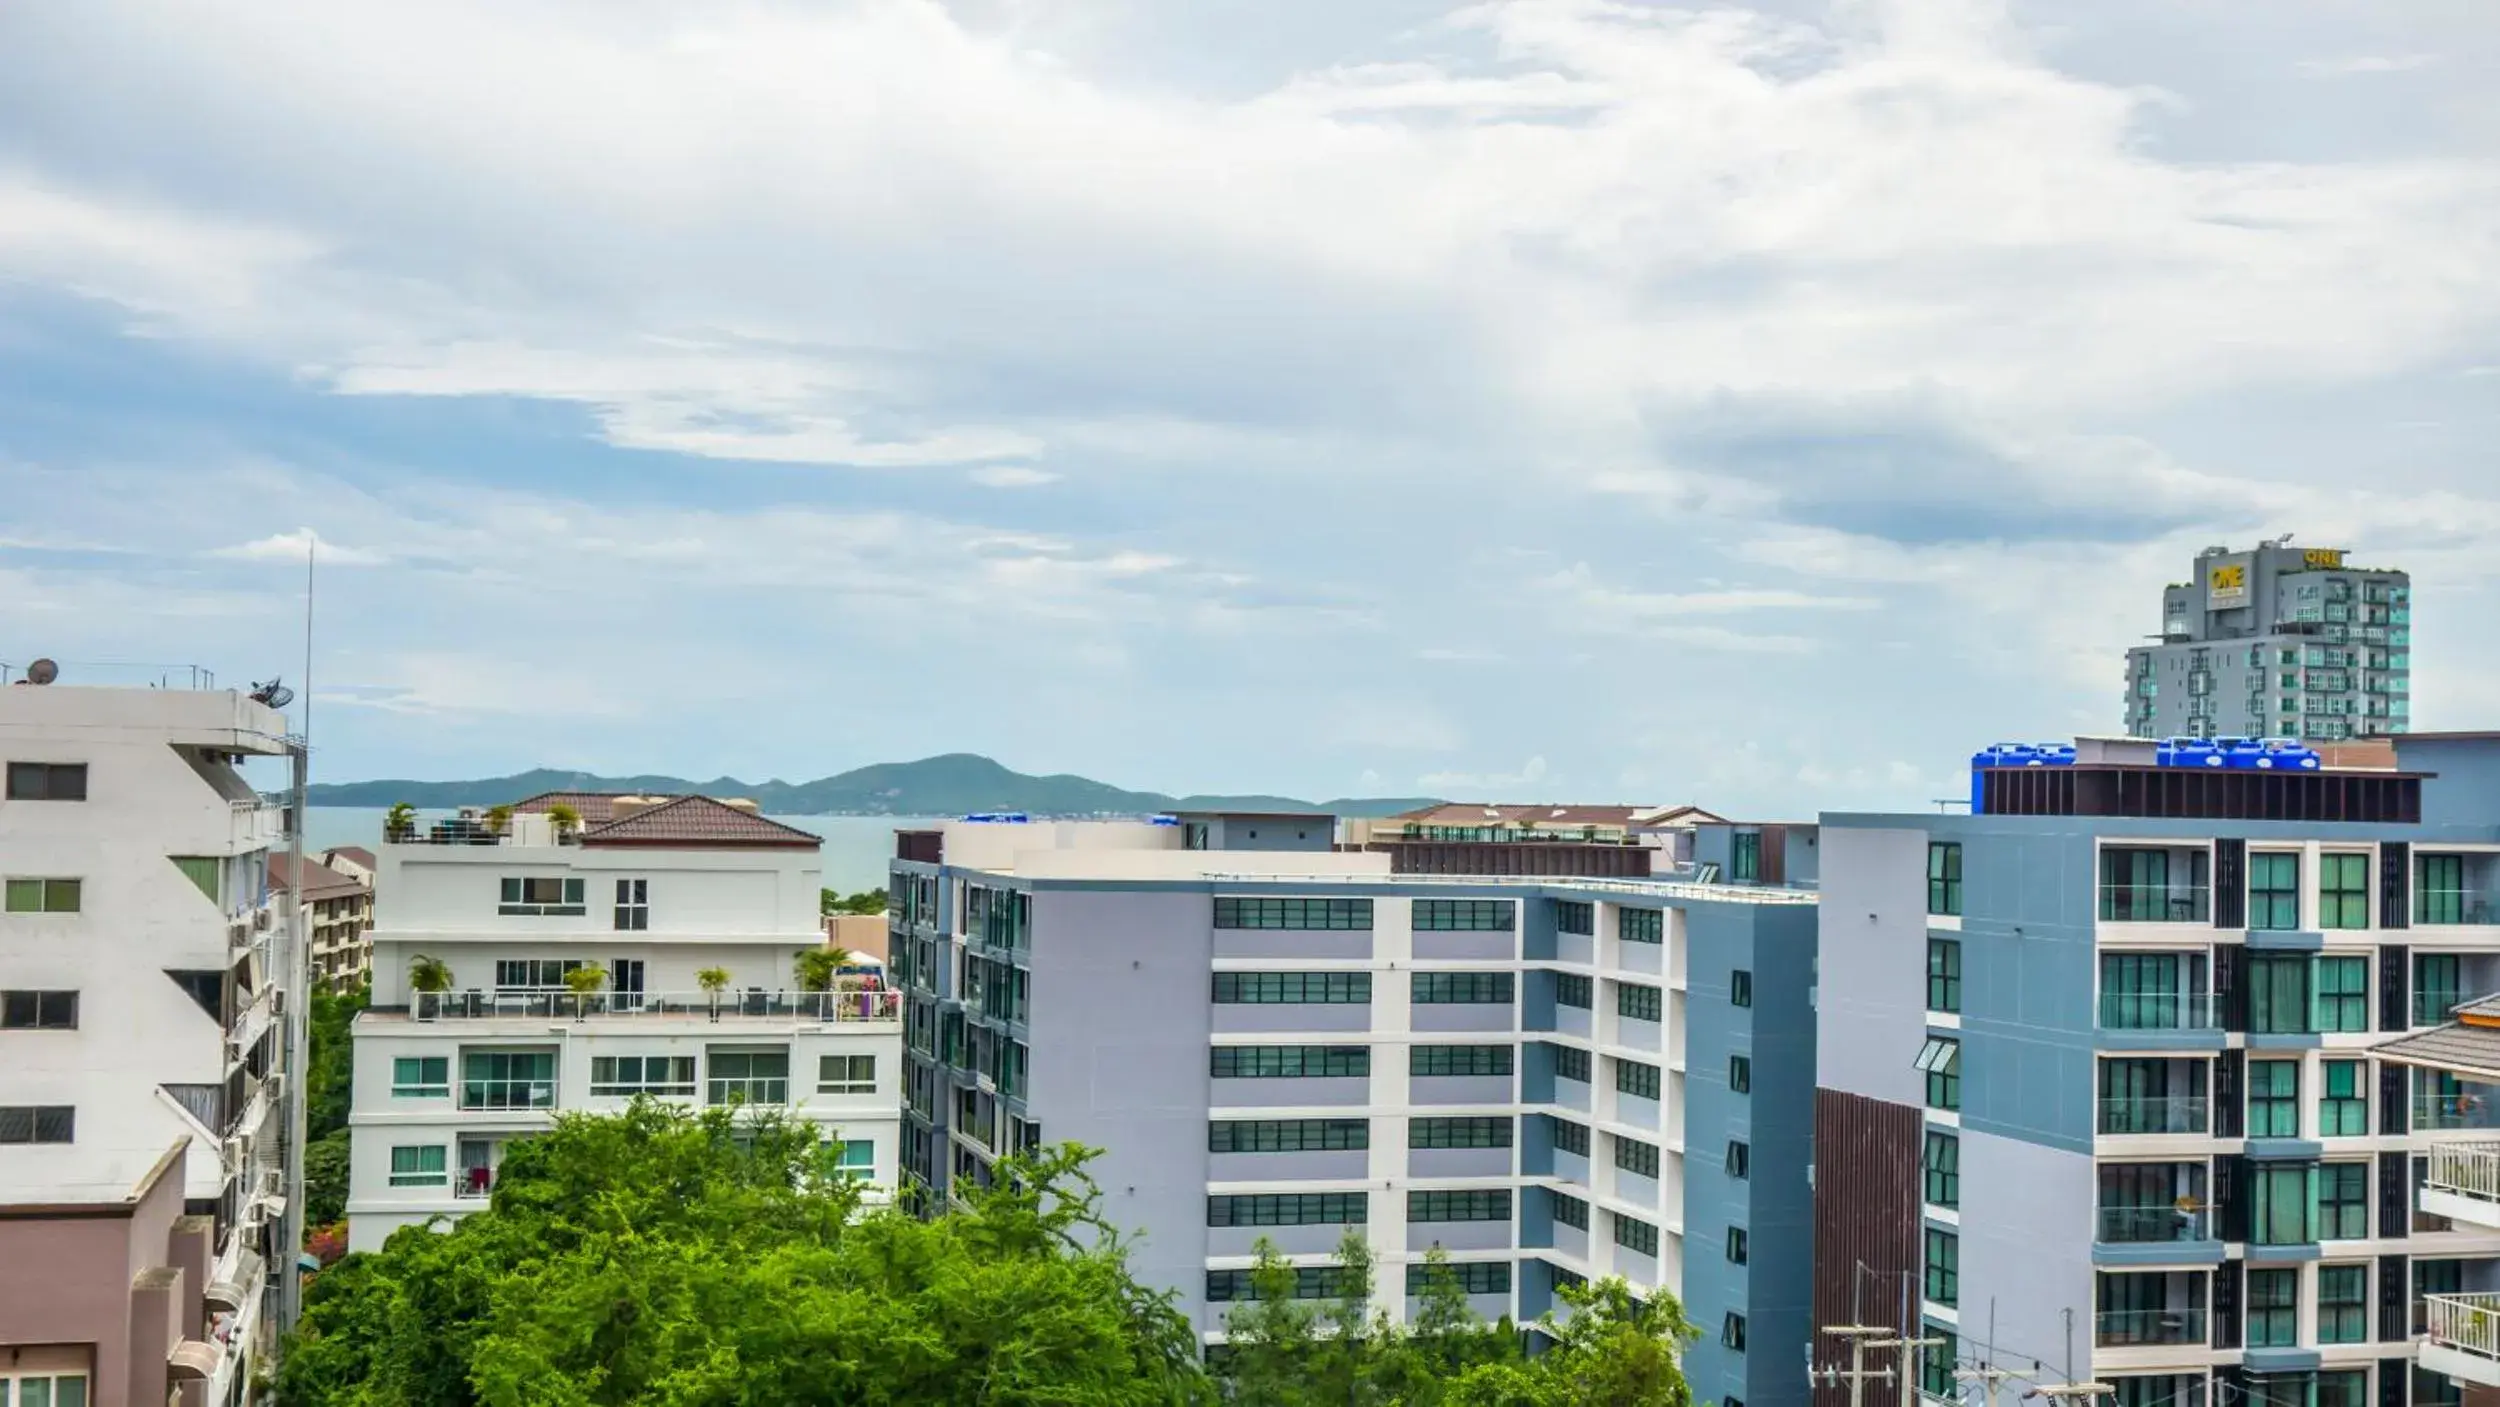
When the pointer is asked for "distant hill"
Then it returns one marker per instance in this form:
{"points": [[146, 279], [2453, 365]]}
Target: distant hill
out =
{"points": [[948, 785]]}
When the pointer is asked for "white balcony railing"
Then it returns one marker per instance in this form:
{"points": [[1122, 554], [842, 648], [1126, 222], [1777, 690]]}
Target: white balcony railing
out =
{"points": [[2461, 1336], [2466, 1169], [827, 1008]]}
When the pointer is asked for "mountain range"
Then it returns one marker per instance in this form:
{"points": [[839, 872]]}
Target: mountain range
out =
{"points": [[948, 785]]}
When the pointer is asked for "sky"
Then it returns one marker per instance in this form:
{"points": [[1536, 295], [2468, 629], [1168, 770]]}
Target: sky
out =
{"points": [[1540, 399]]}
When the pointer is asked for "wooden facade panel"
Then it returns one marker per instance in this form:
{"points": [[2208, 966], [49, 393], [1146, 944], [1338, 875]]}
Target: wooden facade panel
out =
{"points": [[1866, 1212]]}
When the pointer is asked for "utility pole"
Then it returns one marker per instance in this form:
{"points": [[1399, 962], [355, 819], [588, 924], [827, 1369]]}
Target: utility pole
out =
{"points": [[2074, 1394], [1988, 1378], [1860, 1337], [1909, 1351]]}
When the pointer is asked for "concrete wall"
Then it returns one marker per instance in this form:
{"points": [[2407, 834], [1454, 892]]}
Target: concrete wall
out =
{"points": [[1871, 980], [2026, 1229], [2029, 971]]}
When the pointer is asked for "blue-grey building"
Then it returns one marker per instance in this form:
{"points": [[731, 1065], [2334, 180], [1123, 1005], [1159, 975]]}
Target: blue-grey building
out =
{"points": [[1550, 1078], [2099, 1088]]}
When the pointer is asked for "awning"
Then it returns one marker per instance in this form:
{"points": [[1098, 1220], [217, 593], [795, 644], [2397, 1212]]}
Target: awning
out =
{"points": [[240, 1290], [1939, 1056], [2470, 1051], [270, 1203], [193, 1360]]}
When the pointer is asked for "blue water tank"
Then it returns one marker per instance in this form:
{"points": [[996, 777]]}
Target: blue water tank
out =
{"points": [[999, 817], [2288, 755], [1163, 820], [2240, 754]]}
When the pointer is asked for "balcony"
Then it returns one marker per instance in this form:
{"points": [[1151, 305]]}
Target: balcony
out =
{"points": [[2155, 884], [2158, 1011], [2455, 889], [2149, 1328], [2153, 1114], [827, 1008], [2462, 1182], [2161, 1223], [2456, 1106], [2461, 1337]]}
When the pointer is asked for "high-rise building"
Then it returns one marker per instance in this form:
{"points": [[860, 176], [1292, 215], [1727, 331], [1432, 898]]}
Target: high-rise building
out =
{"points": [[694, 911], [1549, 1077], [2277, 642], [146, 986], [2100, 1088]]}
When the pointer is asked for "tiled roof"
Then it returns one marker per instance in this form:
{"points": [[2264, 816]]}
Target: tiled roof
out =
{"points": [[2473, 1050], [597, 808], [1469, 813], [357, 853], [700, 821], [320, 881]]}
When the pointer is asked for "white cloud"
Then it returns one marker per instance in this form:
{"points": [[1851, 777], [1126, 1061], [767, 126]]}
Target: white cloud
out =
{"points": [[1012, 476], [1485, 785], [2366, 63], [300, 546]]}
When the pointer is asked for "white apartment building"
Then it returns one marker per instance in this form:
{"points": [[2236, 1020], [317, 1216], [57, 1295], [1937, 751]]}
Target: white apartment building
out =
{"points": [[653, 892], [144, 1112]]}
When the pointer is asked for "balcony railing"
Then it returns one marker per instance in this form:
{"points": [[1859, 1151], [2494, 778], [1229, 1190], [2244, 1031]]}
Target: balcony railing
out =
{"points": [[2127, 1328], [838, 1007], [2158, 1011], [2155, 903], [2451, 906], [2157, 1223], [2449, 1113], [2469, 1324], [2467, 1169], [2169, 1113]]}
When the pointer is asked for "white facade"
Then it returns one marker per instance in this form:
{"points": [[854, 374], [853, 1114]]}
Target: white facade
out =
{"points": [[444, 1082]]}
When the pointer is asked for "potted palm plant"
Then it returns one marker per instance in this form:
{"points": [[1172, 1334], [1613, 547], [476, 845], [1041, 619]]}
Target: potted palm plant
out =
{"points": [[498, 820], [566, 822], [714, 981], [819, 970], [584, 981], [399, 824], [428, 977]]}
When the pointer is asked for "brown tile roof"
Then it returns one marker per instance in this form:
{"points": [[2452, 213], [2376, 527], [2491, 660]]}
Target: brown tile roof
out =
{"points": [[357, 853], [2470, 1050], [320, 881], [597, 808], [699, 821]]}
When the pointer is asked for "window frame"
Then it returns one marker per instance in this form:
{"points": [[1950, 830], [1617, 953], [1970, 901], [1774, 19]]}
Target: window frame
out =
{"points": [[2350, 1322], [633, 906], [1740, 1074], [1633, 1156], [39, 1009], [1633, 1234], [668, 1081], [2345, 1218], [1255, 1136], [2274, 906], [60, 1121], [49, 894], [1944, 974], [1638, 1078], [1288, 1209], [1461, 1131], [1638, 1001], [1464, 988], [1739, 1160], [1441, 1060], [2273, 1313], [1575, 917], [1575, 990], [1433, 1206], [2344, 890], [1290, 988], [1292, 914], [1568, 1136], [1940, 1178], [850, 1083], [1944, 878], [2273, 1104], [1573, 1064], [417, 1174], [2344, 1115], [1290, 1062], [1639, 924], [420, 1087], [1940, 1278], [1465, 916], [1740, 988], [47, 781]]}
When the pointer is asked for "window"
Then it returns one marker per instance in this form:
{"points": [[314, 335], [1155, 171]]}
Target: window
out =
{"points": [[2343, 1304], [1943, 1169], [2273, 891], [47, 781], [633, 905], [2343, 1101], [1472, 1277], [38, 1011], [1745, 859], [38, 1123], [1740, 1074], [747, 1077], [1944, 974], [1458, 1133], [541, 897], [1633, 1234], [2273, 1308], [2439, 889], [1233, 912], [1944, 1267], [623, 1076], [1458, 1060], [1936, 1365], [1310, 1282], [1634, 1156], [1634, 1078], [1572, 989], [50, 1389], [1570, 1137], [1739, 1159], [2343, 988], [1449, 988], [2438, 987], [2343, 1201], [1288, 1135], [424, 1165], [846, 1074], [43, 896], [1571, 1211], [507, 1079], [2280, 1204], [1293, 988], [1571, 1063], [1640, 1002], [851, 1160], [1737, 1250], [1290, 1209], [1731, 1328], [1941, 1061], [2274, 1099], [1471, 1204], [2278, 993], [1944, 877], [2343, 891], [1642, 925], [1289, 1062], [1574, 916], [533, 974], [421, 1077], [1464, 915]]}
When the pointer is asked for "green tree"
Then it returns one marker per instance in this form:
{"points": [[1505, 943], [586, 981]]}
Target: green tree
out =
{"points": [[665, 1256], [867, 901]]}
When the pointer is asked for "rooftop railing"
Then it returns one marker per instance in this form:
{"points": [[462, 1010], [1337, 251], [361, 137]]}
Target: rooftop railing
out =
{"points": [[1630, 888], [831, 1008]]}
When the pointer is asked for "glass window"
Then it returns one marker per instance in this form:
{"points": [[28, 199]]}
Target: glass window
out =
{"points": [[1745, 857], [623, 1076], [2274, 1099], [1294, 988], [507, 1079], [1464, 915], [846, 1074], [1289, 1062], [2343, 988], [1943, 1169], [1571, 1063], [1642, 925], [1739, 1160], [1634, 1156], [47, 781], [1573, 989], [1740, 988], [1639, 1002], [1474, 1204], [38, 1011], [1944, 877], [38, 1123], [1571, 1211], [2343, 1101], [422, 1165], [1474, 1131], [1944, 1267], [2343, 891], [2343, 1201], [2438, 987], [1458, 1060], [1570, 1137], [2152, 991], [747, 1077], [2343, 1304], [1944, 974], [1737, 1250], [2273, 1308], [1288, 1135], [1236, 912], [2278, 993], [1575, 916], [1941, 1060], [1471, 1277], [1456, 988], [1634, 1078], [42, 896], [1634, 1234], [1731, 1327], [1936, 1364], [421, 1077], [1290, 1209], [633, 905], [2273, 891], [1740, 1074], [2439, 889], [852, 1159]]}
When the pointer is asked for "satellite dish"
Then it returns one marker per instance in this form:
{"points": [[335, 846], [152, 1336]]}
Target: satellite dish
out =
{"points": [[273, 693], [42, 672]]}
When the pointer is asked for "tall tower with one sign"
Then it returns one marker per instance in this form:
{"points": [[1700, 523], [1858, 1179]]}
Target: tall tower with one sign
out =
{"points": [[2277, 641]]}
